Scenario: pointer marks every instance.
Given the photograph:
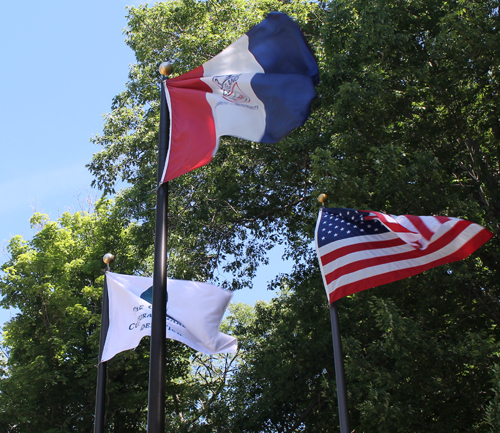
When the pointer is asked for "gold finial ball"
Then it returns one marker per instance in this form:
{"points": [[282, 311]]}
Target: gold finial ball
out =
{"points": [[108, 258], [322, 198], [166, 69]]}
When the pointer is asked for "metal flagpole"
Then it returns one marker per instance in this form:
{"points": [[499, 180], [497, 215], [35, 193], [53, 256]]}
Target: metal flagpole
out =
{"points": [[156, 397], [100, 410], [339, 370], [338, 358]]}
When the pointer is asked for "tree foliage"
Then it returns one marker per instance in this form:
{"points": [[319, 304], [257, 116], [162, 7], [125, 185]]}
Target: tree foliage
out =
{"points": [[406, 122], [408, 368], [55, 282]]}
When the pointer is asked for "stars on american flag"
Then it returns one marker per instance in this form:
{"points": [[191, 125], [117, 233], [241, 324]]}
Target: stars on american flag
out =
{"points": [[337, 224]]}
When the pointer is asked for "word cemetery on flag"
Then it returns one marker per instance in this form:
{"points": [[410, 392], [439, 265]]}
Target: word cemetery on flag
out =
{"points": [[259, 88], [194, 314], [358, 250]]}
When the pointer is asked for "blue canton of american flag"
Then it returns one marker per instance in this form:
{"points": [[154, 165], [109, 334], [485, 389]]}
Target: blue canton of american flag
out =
{"points": [[337, 224], [358, 250]]}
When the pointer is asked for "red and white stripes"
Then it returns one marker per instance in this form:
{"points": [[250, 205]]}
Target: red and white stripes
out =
{"points": [[410, 246]]}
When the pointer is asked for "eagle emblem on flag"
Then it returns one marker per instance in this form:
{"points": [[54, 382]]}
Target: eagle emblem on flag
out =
{"points": [[230, 89]]}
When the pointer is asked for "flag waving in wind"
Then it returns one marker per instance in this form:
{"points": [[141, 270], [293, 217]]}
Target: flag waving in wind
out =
{"points": [[194, 314], [259, 88], [358, 250]]}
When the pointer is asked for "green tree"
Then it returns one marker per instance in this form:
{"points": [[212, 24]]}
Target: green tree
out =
{"points": [[51, 345], [415, 126], [406, 371], [406, 121], [406, 124]]}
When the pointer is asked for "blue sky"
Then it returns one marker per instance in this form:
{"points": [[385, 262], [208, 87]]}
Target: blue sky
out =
{"points": [[62, 63]]}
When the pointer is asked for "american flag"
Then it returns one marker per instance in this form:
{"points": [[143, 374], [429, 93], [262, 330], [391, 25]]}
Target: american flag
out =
{"points": [[358, 250]]}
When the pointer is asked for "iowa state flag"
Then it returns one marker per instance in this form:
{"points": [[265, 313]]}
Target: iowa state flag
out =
{"points": [[358, 250], [259, 88]]}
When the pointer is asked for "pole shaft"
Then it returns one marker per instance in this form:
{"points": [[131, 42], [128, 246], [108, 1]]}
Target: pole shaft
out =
{"points": [[156, 404], [339, 370], [100, 398]]}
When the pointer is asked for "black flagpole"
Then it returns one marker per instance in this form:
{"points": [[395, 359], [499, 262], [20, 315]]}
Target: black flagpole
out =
{"points": [[339, 370], [156, 397], [338, 358], [100, 398]]}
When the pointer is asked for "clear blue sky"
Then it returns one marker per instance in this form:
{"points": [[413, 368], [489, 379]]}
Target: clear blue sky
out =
{"points": [[62, 62]]}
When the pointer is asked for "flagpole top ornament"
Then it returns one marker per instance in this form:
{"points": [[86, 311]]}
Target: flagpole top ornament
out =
{"points": [[166, 69], [322, 198], [108, 258]]}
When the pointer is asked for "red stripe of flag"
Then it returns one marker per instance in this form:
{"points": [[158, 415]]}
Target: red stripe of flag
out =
{"points": [[353, 248], [191, 141], [393, 226], [420, 226]]}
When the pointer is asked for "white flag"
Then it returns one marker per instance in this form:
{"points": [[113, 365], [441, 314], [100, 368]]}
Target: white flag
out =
{"points": [[194, 314]]}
